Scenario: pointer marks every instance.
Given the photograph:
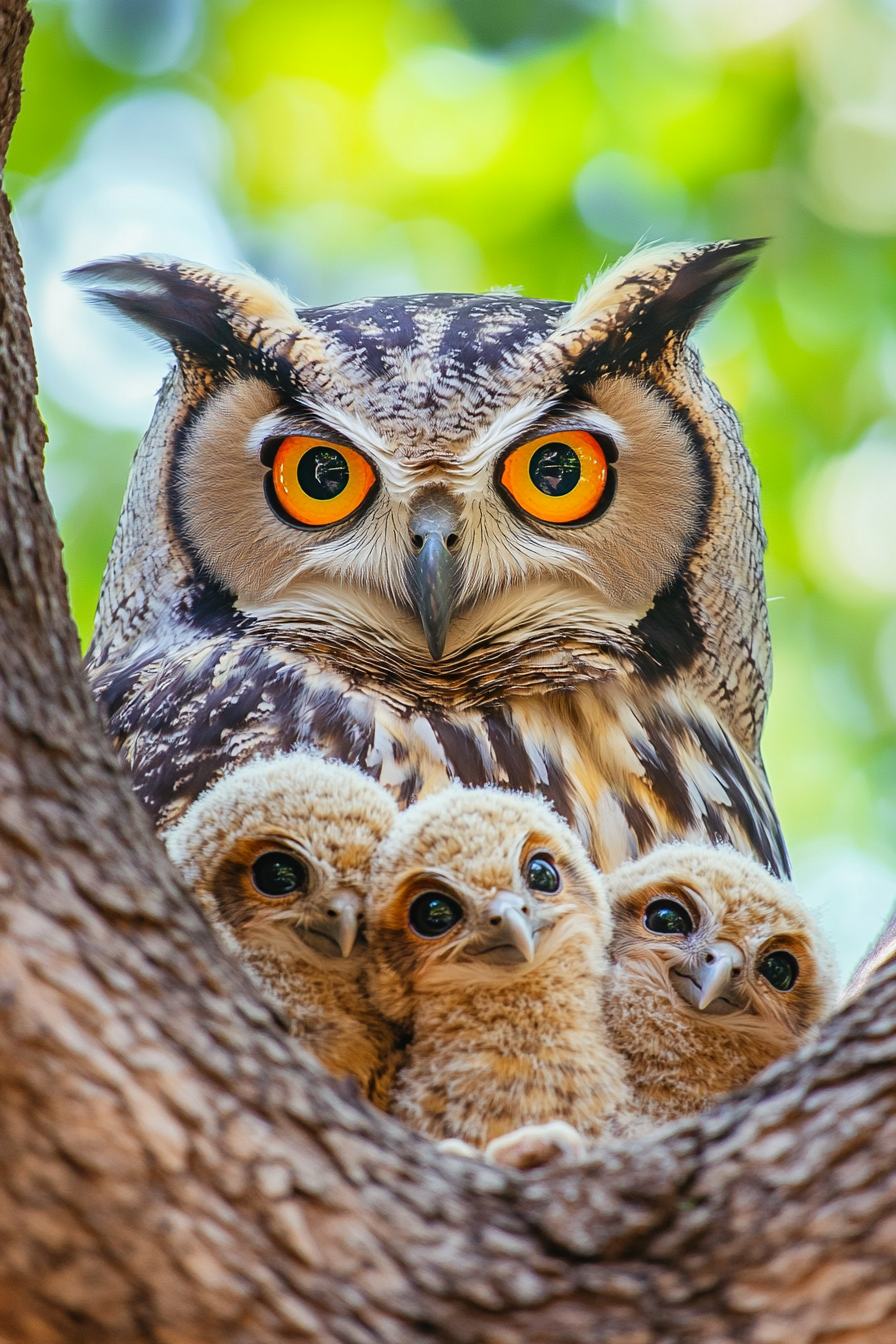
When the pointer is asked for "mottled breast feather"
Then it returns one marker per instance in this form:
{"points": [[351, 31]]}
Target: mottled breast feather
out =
{"points": [[640, 725]]}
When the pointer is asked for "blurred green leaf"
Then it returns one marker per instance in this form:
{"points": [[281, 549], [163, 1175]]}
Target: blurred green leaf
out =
{"points": [[500, 24]]}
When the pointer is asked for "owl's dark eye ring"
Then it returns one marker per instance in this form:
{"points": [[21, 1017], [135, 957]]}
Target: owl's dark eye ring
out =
{"points": [[432, 914], [313, 483], [781, 969], [277, 873], [667, 916]]}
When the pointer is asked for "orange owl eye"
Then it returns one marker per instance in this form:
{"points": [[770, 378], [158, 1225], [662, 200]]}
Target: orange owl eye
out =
{"points": [[317, 483], [559, 478]]}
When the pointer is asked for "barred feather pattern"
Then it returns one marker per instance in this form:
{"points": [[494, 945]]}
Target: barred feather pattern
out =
{"points": [[628, 765]]}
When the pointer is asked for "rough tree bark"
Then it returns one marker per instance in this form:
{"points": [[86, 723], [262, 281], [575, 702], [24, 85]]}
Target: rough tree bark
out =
{"points": [[173, 1169]]}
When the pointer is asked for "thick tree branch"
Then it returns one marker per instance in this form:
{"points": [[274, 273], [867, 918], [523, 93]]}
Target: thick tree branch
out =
{"points": [[173, 1168]]}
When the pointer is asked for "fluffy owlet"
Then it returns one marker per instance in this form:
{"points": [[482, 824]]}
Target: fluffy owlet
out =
{"points": [[488, 928], [717, 971], [446, 537], [279, 854]]}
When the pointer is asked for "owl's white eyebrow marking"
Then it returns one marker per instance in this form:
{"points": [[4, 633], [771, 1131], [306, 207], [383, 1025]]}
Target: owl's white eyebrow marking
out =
{"points": [[265, 428], [506, 426], [464, 467], [360, 431], [512, 423]]}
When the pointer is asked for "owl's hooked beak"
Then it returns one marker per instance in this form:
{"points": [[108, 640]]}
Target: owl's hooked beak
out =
{"points": [[434, 537]]}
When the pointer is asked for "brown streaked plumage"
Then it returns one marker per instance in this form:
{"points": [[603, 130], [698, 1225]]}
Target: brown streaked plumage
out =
{"points": [[617, 668], [503, 1006], [279, 855], [704, 944]]}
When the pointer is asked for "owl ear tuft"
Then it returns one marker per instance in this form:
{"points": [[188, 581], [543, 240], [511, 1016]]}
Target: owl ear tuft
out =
{"points": [[631, 313], [205, 316]]}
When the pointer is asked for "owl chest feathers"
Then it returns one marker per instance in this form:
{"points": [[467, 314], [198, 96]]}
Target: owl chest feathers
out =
{"points": [[628, 762]]}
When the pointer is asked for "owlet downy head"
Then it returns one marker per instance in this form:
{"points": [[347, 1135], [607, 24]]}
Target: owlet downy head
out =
{"points": [[279, 854], [718, 970], [476, 886], [488, 927]]}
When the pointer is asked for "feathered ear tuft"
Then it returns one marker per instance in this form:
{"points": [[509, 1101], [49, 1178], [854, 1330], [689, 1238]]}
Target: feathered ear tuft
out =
{"points": [[205, 316], [632, 312]]}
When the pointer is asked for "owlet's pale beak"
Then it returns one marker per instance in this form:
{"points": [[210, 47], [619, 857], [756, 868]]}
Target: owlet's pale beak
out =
{"points": [[712, 974], [507, 931], [336, 927], [435, 540]]}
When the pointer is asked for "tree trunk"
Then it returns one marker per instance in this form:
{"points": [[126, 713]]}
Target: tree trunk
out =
{"points": [[173, 1168]]}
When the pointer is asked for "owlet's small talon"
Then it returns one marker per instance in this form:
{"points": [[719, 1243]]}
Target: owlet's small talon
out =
{"points": [[537, 1145]]}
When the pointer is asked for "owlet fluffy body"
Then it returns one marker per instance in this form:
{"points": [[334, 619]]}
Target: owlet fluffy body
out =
{"points": [[717, 970], [488, 929], [279, 855]]}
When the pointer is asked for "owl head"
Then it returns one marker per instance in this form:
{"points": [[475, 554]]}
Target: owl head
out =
{"points": [[279, 854], [431, 486], [476, 887], [708, 940]]}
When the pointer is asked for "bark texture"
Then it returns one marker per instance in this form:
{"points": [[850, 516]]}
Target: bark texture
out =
{"points": [[174, 1169]]}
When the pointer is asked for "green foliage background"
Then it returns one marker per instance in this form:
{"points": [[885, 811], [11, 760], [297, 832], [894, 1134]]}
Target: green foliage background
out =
{"points": [[370, 145]]}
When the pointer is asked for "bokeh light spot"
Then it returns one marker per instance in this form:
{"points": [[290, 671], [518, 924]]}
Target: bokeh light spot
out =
{"points": [[627, 199], [143, 37], [442, 113], [848, 531], [854, 167]]}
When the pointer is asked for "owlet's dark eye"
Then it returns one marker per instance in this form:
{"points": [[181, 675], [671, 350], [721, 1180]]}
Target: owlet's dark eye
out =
{"points": [[433, 914], [541, 875], [781, 970], [279, 874], [667, 916]]}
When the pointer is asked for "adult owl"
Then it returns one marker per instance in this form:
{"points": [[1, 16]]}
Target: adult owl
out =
{"points": [[446, 537]]}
